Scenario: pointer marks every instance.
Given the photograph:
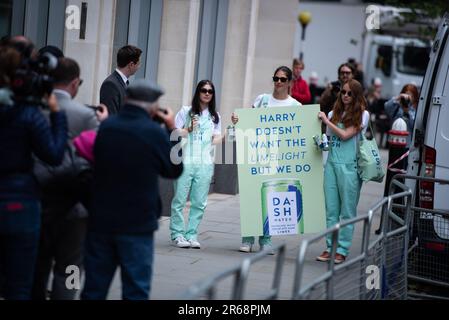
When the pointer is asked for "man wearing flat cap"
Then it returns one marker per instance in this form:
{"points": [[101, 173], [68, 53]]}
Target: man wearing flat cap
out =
{"points": [[131, 151]]}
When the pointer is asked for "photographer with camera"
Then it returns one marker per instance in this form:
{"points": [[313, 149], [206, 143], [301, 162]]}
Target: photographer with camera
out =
{"points": [[24, 130], [64, 218], [131, 152], [401, 111], [404, 106], [329, 97]]}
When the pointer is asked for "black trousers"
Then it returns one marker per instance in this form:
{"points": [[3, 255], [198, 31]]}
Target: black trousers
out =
{"points": [[394, 153], [61, 246]]}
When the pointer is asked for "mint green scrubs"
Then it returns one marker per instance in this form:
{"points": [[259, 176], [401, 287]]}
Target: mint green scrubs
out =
{"points": [[341, 189], [196, 179]]}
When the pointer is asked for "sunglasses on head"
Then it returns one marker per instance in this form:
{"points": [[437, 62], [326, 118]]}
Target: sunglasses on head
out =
{"points": [[283, 79], [344, 92], [209, 91]]}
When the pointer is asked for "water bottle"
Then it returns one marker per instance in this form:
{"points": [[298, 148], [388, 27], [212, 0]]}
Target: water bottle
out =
{"points": [[231, 133], [325, 143], [322, 144], [196, 130]]}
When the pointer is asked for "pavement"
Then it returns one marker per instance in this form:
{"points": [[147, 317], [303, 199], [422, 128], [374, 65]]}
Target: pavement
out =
{"points": [[175, 270]]}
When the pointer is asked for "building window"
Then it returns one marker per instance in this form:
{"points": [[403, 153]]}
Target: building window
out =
{"points": [[42, 21], [121, 28], [138, 23], [211, 44], [5, 17]]}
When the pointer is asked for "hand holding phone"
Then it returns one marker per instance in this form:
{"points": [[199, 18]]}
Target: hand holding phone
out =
{"points": [[101, 111]]}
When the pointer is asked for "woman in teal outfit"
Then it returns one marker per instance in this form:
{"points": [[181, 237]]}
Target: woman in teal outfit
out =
{"points": [[341, 181], [282, 83], [200, 125]]}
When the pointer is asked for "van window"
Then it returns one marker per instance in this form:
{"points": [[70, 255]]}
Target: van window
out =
{"points": [[413, 60], [5, 17], [384, 58]]}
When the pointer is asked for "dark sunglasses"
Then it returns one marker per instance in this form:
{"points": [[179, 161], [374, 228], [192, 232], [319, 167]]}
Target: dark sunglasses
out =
{"points": [[209, 91], [345, 73], [81, 82], [344, 92], [283, 79]]}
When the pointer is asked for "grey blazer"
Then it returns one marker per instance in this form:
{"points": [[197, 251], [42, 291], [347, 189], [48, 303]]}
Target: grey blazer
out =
{"points": [[112, 93], [79, 117]]}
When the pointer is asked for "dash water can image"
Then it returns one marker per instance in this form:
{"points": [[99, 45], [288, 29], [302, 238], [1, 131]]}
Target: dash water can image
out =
{"points": [[282, 207]]}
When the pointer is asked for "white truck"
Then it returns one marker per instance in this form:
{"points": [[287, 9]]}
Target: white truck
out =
{"points": [[396, 53]]}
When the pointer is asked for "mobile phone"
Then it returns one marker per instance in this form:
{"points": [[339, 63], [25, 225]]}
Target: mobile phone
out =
{"points": [[96, 108]]}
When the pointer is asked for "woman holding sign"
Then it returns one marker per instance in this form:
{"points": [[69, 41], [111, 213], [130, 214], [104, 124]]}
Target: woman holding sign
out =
{"points": [[200, 124], [341, 181], [282, 81]]}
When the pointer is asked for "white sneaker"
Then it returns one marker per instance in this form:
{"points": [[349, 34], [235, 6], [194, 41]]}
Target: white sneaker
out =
{"points": [[180, 242], [246, 247], [267, 247], [194, 244]]}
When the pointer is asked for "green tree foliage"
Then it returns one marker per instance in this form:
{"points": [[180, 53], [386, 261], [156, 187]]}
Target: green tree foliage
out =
{"points": [[421, 10]]}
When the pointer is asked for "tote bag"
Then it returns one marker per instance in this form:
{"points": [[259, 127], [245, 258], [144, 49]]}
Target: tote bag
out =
{"points": [[368, 159]]}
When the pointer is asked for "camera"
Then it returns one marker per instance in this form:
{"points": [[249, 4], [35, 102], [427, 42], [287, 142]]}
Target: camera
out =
{"points": [[336, 87], [159, 119], [405, 101], [32, 80]]}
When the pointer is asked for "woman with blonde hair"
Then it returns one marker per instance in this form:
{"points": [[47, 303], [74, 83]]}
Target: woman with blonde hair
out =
{"points": [[300, 89]]}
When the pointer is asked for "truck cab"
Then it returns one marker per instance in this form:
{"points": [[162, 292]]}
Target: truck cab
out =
{"points": [[397, 53], [396, 61]]}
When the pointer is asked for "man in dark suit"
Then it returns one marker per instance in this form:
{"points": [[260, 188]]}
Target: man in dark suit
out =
{"points": [[113, 89], [131, 151]]}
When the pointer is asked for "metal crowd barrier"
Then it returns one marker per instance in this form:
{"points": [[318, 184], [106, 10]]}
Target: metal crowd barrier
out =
{"points": [[428, 255], [411, 255], [207, 289], [386, 254]]}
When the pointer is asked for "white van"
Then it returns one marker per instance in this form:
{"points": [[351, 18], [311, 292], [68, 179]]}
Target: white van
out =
{"points": [[429, 158]]}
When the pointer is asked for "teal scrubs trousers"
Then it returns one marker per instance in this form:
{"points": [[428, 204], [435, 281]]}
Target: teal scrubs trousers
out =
{"points": [[341, 189], [263, 240], [195, 180]]}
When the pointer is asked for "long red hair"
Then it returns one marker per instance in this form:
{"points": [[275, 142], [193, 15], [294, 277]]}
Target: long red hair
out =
{"points": [[414, 91], [352, 115]]}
